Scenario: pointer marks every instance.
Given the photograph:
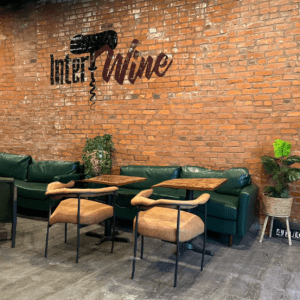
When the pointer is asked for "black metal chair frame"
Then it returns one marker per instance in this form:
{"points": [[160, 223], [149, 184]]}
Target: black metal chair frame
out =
{"points": [[14, 209], [136, 235], [79, 226]]}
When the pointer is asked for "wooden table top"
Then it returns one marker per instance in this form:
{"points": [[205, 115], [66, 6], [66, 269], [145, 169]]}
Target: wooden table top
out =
{"points": [[114, 180], [195, 184]]}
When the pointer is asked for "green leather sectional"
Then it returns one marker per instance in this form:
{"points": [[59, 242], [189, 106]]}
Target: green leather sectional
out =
{"points": [[32, 177], [230, 208]]}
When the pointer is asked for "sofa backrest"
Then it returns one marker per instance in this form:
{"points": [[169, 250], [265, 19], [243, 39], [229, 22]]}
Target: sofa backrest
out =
{"points": [[154, 175], [45, 171], [237, 178], [14, 165]]}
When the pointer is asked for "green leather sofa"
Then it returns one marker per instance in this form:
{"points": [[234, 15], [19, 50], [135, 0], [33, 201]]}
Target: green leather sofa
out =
{"points": [[32, 177], [230, 208]]}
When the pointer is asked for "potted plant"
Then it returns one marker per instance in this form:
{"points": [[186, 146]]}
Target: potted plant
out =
{"points": [[96, 155], [277, 200]]}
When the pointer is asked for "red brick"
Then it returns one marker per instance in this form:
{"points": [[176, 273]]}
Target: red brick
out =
{"points": [[231, 90]]}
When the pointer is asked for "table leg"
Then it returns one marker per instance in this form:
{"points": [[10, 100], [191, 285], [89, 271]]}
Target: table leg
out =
{"points": [[189, 246], [107, 236], [189, 195]]}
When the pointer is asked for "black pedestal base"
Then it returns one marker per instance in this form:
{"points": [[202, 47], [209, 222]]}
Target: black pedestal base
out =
{"points": [[104, 238], [190, 246]]}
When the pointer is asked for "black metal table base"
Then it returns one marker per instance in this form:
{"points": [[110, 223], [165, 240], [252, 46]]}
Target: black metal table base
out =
{"points": [[116, 239], [190, 246], [104, 238]]}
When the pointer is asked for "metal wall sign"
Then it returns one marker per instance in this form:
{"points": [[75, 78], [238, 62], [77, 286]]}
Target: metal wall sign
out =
{"points": [[279, 230], [73, 70]]}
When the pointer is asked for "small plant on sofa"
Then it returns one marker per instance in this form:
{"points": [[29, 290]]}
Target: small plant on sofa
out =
{"points": [[280, 170], [97, 155]]}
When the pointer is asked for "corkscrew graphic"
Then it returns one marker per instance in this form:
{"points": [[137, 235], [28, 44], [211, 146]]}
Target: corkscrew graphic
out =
{"points": [[90, 44]]}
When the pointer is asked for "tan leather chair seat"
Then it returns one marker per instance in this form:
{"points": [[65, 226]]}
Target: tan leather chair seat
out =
{"points": [[91, 212], [161, 223]]}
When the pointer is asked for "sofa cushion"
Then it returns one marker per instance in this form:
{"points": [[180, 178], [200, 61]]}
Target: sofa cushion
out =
{"points": [[168, 193], [125, 195], [154, 175], [31, 190], [13, 165], [238, 178], [219, 205], [45, 171]]}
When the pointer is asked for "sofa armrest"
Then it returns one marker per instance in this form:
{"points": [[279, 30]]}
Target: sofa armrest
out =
{"points": [[68, 177], [246, 206]]}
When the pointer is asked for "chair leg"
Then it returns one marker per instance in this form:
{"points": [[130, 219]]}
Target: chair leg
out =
{"points": [[142, 247], [66, 232], [177, 246], [113, 233], [48, 226], [204, 240], [47, 237], [135, 244], [14, 220], [78, 229], [114, 224], [230, 240]]}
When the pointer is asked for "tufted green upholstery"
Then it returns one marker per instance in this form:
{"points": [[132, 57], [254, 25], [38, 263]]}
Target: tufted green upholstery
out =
{"points": [[238, 178], [154, 175], [230, 208], [31, 190], [220, 206], [32, 178], [13, 165], [45, 171], [8, 205]]}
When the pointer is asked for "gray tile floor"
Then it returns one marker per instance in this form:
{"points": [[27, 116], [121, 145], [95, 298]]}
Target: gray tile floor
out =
{"points": [[248, 270]]}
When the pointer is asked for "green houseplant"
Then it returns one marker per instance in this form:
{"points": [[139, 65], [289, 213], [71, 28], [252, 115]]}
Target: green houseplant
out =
{"points": [[279, 168], [277, 200], [96, 155]]}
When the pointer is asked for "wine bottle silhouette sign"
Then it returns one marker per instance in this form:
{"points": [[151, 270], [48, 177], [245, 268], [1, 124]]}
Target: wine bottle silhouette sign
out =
{"points": [[90, 44]]}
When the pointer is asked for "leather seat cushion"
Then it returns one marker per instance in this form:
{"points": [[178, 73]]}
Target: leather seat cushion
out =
{"points": [[161, 223], [91, 212], [31, 190]]}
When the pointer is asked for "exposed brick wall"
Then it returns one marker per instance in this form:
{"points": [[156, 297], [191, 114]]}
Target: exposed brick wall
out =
{"points": [[232, 89]]}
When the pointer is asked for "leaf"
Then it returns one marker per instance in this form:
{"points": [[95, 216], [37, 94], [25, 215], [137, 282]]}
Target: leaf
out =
{"points": [[293, 174], [281, 148], [96, 155], [291, 160], [270, 191], [285, 194], [270, 165]]}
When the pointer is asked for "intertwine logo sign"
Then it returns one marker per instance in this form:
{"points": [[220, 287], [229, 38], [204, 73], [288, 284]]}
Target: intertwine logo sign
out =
{"points": [[95, 45]]}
